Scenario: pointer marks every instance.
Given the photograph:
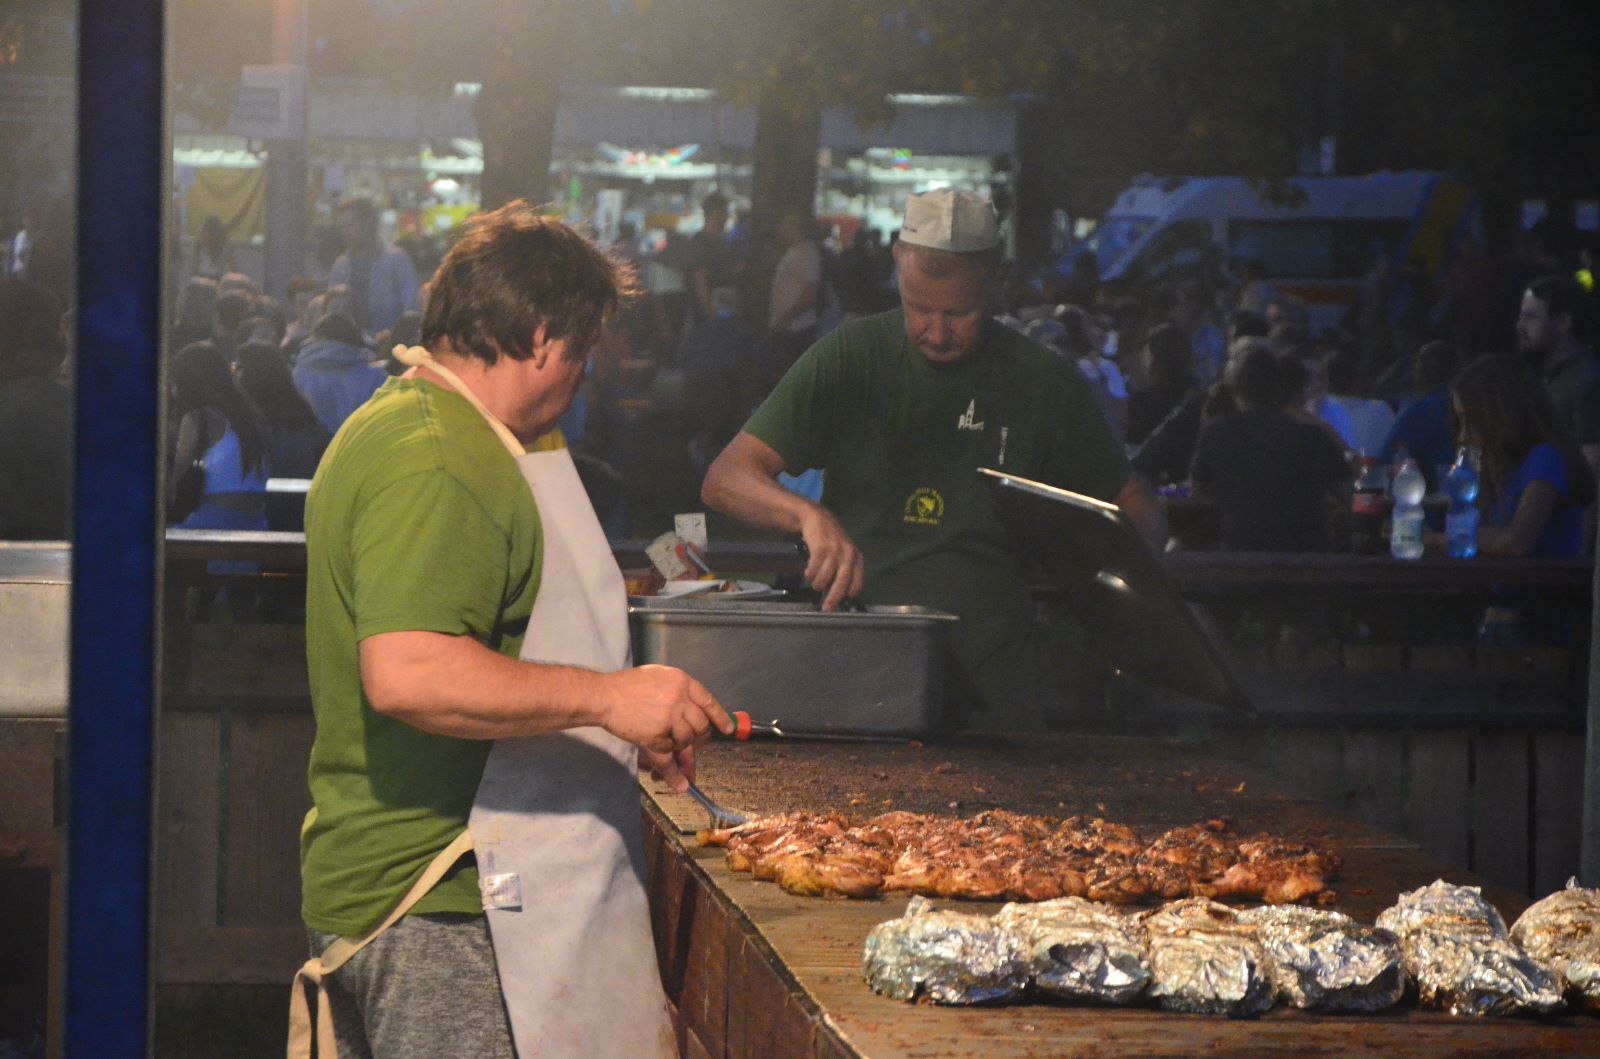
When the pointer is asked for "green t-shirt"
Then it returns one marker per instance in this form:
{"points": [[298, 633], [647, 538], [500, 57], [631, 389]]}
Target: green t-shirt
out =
{"points": [[417, 519], [901, 439]]}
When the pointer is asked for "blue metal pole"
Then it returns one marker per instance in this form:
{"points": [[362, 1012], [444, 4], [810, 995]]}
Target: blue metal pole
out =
{"points": [[116, 522]]}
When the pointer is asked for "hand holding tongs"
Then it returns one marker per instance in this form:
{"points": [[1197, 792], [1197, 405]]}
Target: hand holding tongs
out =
{"points": [[742, 728]]}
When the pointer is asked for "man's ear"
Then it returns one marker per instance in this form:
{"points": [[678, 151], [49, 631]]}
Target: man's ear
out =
{"points": [[539, 345]]}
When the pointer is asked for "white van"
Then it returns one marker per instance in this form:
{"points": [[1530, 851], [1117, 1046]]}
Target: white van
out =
{"points": [[1315, 237]]}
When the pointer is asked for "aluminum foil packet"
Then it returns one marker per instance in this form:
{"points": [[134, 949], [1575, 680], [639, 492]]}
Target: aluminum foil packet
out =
{"points": [[949, 957], [1081, 950], [1441, 906], [1562, 932], [1203, 959], [1456, 947], [1325, 961]]}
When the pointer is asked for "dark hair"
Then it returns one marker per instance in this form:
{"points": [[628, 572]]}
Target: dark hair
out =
{"points": [[264, 377], [1561, 295], [1344, 372], [407, 328], [1293, 377], [713, 202], [1507, 410], [1074, 330], [1171, 358], [338, 327], [202, 379], [514, 270], [1256, 379], [32, 345], [230, 311], [1436, 363], [1247, 324], [196, 301]]}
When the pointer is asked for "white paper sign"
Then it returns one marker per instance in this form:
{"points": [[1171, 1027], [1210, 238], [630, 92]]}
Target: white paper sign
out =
{"points": [[692, 528], [663, 553]]}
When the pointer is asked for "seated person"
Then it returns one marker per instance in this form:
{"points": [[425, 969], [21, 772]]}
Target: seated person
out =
{"points": [[1269, 471], [1534, 482], [1372, 417], [1533, 489], [1422, 429]]}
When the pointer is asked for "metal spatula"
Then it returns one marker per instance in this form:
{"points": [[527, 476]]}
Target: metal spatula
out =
{"points": [[720, 817]]}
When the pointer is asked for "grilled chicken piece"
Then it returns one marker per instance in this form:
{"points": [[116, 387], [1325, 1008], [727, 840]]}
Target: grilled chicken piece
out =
{"points": [[1095, 835], [721, 836], [1117, 880], [818, 875], [1274, 871], [1186, 858], [1042, 877]]}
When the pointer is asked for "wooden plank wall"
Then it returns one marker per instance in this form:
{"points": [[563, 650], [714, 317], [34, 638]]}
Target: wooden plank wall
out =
{"points": [[731, 997], [235, 735], [1476, 754]]}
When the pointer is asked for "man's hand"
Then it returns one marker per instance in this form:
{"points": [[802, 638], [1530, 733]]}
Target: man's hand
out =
{"points": [[661, 710], [836, 567], [675, 770], [742, 482]]}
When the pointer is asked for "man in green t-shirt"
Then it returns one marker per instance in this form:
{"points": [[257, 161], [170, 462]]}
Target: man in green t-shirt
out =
{"points": [[900, 410], [424, 553]]}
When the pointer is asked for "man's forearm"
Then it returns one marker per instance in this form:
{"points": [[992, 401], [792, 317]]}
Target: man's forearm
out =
{"points": [[742, 487], [455, 686]]}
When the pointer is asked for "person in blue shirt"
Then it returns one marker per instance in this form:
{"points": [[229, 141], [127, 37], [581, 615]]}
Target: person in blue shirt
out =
{"points": [[335, 371], [1422, 429], [1535, 481], [1535, 487]]}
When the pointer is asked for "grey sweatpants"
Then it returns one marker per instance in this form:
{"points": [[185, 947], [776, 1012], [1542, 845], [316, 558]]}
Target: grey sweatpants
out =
{"points": [[424, 988]]}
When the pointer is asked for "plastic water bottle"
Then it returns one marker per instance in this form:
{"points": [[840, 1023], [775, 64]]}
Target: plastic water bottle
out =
{"points": [[1405, 535], [1461, 523]]}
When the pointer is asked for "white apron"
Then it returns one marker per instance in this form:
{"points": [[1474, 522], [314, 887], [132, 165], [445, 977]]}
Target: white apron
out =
{"points": [[556, 823]]}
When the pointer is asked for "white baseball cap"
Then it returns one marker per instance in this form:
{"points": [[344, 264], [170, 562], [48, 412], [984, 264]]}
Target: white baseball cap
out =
{"points": [[950, 219]]}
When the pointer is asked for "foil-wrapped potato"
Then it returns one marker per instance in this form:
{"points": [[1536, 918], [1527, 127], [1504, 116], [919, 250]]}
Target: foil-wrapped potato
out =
{"points": [[1562, 932]]}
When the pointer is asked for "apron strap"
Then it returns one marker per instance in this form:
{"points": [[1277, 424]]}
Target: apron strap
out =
{"points": [[317, 968], [416, 356]]}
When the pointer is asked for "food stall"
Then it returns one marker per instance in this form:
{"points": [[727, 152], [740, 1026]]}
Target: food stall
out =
{"points": [[1471, 802]]}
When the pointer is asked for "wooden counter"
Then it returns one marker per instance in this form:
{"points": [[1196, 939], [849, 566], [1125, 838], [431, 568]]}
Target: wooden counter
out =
{"points": [[754, 971]]}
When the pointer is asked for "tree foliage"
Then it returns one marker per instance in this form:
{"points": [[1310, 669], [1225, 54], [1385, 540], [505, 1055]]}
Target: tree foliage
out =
{"points": [[1498, 91]]}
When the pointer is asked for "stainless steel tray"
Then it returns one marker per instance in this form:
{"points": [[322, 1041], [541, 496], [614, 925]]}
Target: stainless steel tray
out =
{"points": [[35, 596], [877, 671]]}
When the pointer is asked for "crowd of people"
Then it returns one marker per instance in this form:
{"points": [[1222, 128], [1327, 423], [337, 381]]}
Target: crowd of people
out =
{"points": [[1215, 390], [1235, 400]]}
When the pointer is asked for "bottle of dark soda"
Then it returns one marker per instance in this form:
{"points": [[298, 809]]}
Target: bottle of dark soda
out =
{"points": [[1369, 507]]}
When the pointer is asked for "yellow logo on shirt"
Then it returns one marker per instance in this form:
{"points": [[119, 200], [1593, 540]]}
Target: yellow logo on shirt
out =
{"points": [[925, 507]]}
